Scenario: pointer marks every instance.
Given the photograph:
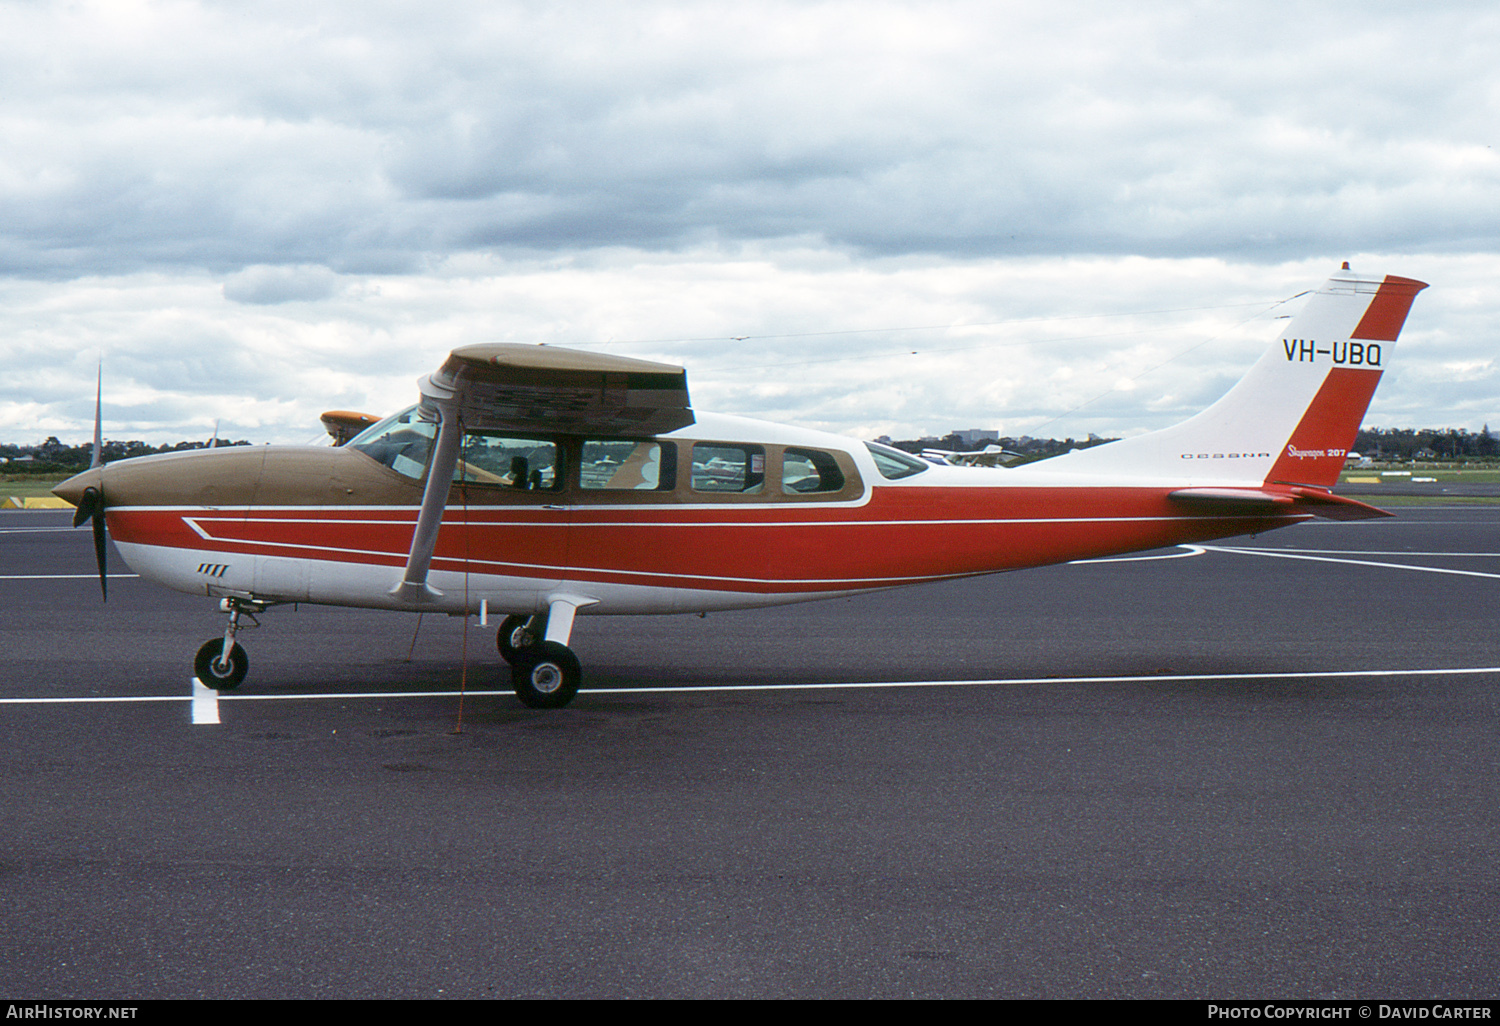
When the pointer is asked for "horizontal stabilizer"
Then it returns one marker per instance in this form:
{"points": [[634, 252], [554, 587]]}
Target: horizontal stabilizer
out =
{"points": [[1315, 501], [1228, 496]]}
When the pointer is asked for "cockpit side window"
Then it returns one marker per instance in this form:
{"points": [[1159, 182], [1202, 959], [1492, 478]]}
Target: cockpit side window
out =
{"points": [[502, 461], [401, 441]]}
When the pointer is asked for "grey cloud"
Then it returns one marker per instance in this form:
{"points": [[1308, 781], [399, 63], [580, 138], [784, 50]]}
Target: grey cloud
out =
{"points": [[374, 139], [265, 285], [162, 159]]}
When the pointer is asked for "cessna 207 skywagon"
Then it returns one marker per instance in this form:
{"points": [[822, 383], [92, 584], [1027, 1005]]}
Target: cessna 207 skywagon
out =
{"points": [[542, 483]]}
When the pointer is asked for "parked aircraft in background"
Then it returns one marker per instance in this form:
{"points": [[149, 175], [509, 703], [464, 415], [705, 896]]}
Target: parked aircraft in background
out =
{"points": [[989, 456], [544, 483], [343, 425]]}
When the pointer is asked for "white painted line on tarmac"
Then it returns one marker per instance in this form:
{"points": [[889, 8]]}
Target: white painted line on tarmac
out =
{"points": [[214, 700], [96, 699], [62, 577], [205, 703], [1192, 550], [379, 694], [222, 697], [1146, 678], [1363, 552], [1198, 550], [1282, 554], [1398, 521]]}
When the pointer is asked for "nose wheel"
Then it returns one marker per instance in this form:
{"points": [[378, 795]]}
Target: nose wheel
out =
{"points": [[221, 663], [214, 671]]}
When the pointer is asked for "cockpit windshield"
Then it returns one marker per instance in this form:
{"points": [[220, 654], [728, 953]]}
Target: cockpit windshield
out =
{"points": [[401, 442], [894, 464]]}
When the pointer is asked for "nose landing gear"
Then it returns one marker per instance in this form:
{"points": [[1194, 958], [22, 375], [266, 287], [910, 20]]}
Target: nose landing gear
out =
{"points": [[221, 663]]}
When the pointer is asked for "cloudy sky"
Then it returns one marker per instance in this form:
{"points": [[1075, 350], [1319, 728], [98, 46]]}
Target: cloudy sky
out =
{"points": [[874, 217]]}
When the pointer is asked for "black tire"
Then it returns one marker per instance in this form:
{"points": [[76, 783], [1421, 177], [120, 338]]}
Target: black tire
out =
{"points": [[515, 634], [206, 666], [546, 675]]}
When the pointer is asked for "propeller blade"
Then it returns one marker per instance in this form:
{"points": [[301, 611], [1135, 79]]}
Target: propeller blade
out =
{"points": [[101, 545], [97, 460], [91, 502], [91, 507]]}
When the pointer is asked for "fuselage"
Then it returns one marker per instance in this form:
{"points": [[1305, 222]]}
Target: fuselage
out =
{"points": [[727, 513]]}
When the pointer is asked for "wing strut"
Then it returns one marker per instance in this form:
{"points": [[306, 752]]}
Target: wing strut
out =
{"points": [[510, 387], [414, 588]]}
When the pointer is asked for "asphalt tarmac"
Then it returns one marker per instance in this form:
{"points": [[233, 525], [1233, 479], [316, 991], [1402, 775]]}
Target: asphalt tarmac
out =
{"points": [[1264, 769]]}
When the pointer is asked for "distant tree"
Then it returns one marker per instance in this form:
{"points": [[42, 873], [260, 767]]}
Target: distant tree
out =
{"points": [[54, 458]]}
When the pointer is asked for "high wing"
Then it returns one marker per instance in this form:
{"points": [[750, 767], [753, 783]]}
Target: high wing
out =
{"points": [[512, 387]]}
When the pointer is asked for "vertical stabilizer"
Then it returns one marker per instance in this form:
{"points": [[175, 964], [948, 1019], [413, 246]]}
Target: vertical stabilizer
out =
{"points": [[1293, 417]]}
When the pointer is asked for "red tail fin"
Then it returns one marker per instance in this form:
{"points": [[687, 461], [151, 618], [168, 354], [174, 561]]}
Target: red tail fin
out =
{"points": [[1315, 453]]}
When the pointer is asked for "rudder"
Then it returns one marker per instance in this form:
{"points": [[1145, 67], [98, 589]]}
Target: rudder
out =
{"points": [[1316, 451]]}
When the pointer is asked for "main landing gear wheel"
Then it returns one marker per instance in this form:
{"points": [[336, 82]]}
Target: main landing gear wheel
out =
{"points": [[518, 632], [545, 675], [213, 674]]}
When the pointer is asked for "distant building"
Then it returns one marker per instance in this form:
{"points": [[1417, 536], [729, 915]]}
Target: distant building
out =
{"points": [[977, 436]]}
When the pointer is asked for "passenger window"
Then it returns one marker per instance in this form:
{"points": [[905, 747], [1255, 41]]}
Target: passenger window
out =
{"points": [[729, 468], [633, 466], [810, 470], [524, 464]]}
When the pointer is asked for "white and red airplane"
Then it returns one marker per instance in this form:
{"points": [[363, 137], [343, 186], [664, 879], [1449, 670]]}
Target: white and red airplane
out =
{"points": [[541, 483]]}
